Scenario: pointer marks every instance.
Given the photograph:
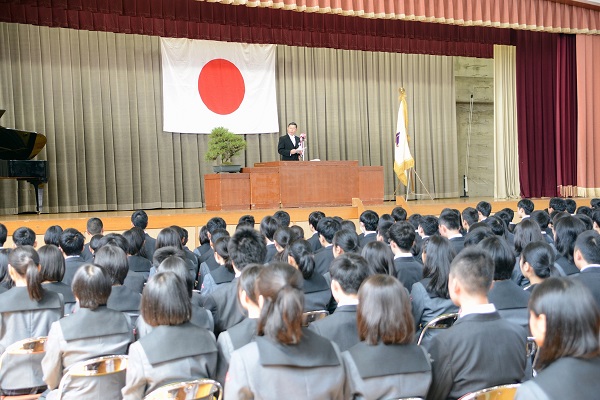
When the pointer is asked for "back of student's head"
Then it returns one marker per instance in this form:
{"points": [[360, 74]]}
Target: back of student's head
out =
{"points": [[502, 255], [203, 235], [505, 217], [24, 260], [429, 224], [92, 286], [383, 230], [570, 206], [450, 220], [52, 263], [282, 217], [348, 224], [221, 249], [168, 237], [349, 270], [484, 208], [280, 285], [314, 218], [526, 231], [470, 216], [114, 260], [437, 257], [379, 258], [566, 232], [572, 320], [52, 235], [474, 269], [94, 226], [114, 239], [595, 203], [165, 300], [327, 227], [588, 244], [542, 218], [496, 225], [5, 279], [247, 220], [139, 219], [23, 236], [403, 235], [178, 266], [399, 214], [301, 251], [95, 242], [220, 233], [247, 246], [71, 242], [527, 205], [477, 234], [596, 218], [415, 220], [558, 204], [283, 236], [268, 226], [585, 210], [297, 232], [384, 312], [247, 282], [540, 256], [587, 221], [510, 213], [163, 253], [182, 233], [347, 240], [135, 240], [369, 219], [215, 223], [3, 234]]}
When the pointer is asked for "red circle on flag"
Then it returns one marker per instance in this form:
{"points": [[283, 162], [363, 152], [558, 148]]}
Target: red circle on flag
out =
{"points": [[221, 86]]}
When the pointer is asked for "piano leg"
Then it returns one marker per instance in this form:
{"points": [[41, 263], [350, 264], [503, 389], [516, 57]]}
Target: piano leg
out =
{"points": [[39, 195]]}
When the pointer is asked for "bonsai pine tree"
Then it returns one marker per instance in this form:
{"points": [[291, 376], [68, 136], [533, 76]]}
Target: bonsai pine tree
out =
{"points": [[224, 144]]}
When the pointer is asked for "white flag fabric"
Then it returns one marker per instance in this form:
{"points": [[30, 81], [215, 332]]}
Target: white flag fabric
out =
{"points": [[207, 84], [403, 160]]}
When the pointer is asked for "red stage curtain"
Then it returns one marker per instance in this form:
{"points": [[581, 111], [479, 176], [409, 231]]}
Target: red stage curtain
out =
{"points": [[200, 20]]}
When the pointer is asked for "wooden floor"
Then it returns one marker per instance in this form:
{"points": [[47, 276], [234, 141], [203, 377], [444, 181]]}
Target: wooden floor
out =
{"points": [[192, 219]]}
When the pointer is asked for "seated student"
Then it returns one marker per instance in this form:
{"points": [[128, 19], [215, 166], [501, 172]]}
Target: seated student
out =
{"points": [[484, 209], [211, 263], [224, 273], [327, 227], [3, 235], [93, 331], [481, 349], [282, 238], [52, 270], [587, 260], [379, 258], [596, 220], [385, 364], [556, 204], [345, 241], [570, 206], [526, 231], [175, 350], [368, 227], [509, 298], [566, 231], [138, 265], [543, 220], [243, 333], [6, 281], [317, 293], [283, 218], [313, 220], [24, 236], [204, 242], [52, 235], [94, 227], [408, 270], [171, 237], [27, 310], [470, 216], [246, 246], [537, 264], [399, 214], [246, 221], [383, 227], [71, 244], [449, 226], [122, 298], [268, 227], [284, 359], [478, 232], [565, 325], [212, 225], [297, 233], [430, 297], [348, 271], [506, 219], [139, 219], [190, 257]]}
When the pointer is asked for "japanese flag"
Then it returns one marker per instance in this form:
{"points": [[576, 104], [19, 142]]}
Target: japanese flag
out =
{"points": [[207, 84]]}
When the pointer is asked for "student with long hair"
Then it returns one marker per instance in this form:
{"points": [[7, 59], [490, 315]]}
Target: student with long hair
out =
{"points": [[385, 364], [566, 231], [175, 350], [317, 293], [537, 263], [285, 360], [224, 272], [526, 231], [565, 323], [345, 241], [430, 297], [52, 262], [379, 257], [27, 310]]}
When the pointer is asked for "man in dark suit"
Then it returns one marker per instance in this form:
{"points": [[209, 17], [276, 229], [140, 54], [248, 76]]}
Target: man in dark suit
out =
{"points": [[71, 244], [327, 227], [245, 247], [449, 227], [481, 349], [408, 270], [587, 258], [368, 225], [289, 145], [347, 271]]}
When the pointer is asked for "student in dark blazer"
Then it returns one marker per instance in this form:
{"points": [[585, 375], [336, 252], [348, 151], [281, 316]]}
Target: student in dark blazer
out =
{"points": [[313, 220], [175, 350], [71, 244], [209, 263], [27, 310], [385, 364], [368, 226], [224, 273], [587, 260], [93, 331], [284, 359], [289, 144], [449, 227], [140, 219], [537, 264], [204, 242], [348, 271], [408, 270], [52, 263], [466, 357], [93, 227], [379, 258], [566, 231], [268, 227], [327, 227], [317, 294], [567, 360], [138, 265]]}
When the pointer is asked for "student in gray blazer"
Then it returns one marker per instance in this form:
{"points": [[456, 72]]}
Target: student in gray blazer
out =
{"points": [[93, 331]]}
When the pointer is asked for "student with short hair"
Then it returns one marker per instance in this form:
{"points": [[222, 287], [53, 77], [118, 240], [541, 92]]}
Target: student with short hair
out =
{"points": [[385, 364], [587, 259], [268, 227], [212, 225], [140, 219], [327, 228], [52, 235], [368, 226], [557, 204], [408, 270], [283, 218], [317, 293], [224, 273], [135, 246], [399, 214], [24, 236], [94, 226], [484, 209], [524, 208], [175, 350], [3, 235], [313, 220], [71, 244], [52, 270], [449, 227], [470, 216], [204, 242], [379, 258]]}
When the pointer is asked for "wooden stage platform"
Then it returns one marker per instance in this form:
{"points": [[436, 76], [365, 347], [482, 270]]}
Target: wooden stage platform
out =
{"points": [[192, 219]]}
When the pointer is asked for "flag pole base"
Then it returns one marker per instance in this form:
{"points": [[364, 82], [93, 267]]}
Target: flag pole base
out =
{"points": [[408, 187]]}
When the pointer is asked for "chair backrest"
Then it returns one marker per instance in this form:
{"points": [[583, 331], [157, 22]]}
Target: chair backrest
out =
{"points": [[443, 321], [531, 346], [503, 392], [312, 316], [199, 389], [95, 367], [30, 346]]}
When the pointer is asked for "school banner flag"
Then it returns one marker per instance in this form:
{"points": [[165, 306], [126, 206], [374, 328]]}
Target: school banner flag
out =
{"points": [[207, 84], [403, 160]]}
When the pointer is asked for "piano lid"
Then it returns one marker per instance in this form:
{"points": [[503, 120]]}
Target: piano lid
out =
{"points": [[19, 145]]}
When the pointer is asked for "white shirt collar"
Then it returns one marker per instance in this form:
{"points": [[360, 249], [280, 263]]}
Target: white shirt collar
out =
{"points": [[458, 235], [477, 309], [403, 255], [348, 302], [590, 266]]}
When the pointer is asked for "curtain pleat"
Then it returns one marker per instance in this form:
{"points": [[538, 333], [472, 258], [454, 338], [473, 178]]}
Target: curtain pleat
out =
{"points": [[506, 148]]}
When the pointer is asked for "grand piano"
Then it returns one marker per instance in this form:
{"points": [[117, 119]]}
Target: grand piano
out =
{"points": [[17, 148]]}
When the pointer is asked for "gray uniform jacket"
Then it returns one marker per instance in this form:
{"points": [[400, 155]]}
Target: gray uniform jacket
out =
{"points": [[339, 327], [232, 339]]}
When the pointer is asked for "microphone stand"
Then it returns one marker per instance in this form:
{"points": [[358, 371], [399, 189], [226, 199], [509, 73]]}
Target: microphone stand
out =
{"points": [[302, 144]]}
